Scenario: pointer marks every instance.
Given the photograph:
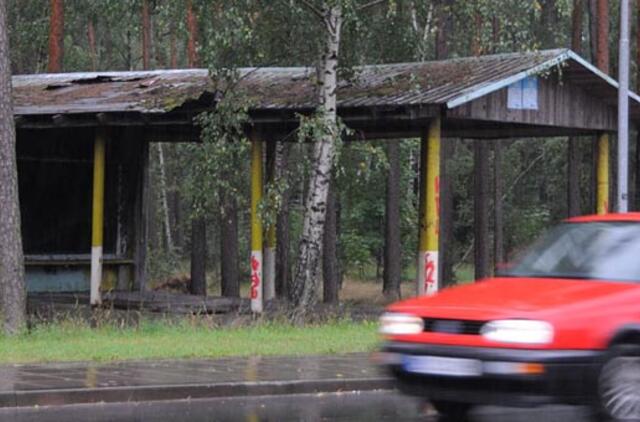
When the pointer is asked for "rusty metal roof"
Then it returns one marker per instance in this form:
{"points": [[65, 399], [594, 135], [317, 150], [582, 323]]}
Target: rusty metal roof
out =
{"points": [[446, 82]]}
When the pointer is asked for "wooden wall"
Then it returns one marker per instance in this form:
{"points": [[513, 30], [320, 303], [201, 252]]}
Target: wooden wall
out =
{"points": [[559, 105]]}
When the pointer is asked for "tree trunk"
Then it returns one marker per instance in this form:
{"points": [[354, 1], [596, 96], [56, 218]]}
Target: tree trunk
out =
{"points": [[444, 27], [548, 20], [91, 40], [576, 25], [593, 29], [192, 28], [12, 284], [173, 48], [498, 211], [146, 35], [282, 223], [480, 209], [198, 225], [573, 176], [330, 267], [573, 152], [198, 257], [602, 58], [229, 246], [56, 36], [304, 289], [165, 203], [446, 213], [175, 209], [392, 245]]}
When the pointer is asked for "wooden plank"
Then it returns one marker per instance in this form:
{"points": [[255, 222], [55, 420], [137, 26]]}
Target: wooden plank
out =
{"points": [[560, 105], [162, 302]]}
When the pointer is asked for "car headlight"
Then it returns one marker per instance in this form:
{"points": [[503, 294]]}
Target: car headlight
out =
{"points": [[393, 324], [518, 331]]}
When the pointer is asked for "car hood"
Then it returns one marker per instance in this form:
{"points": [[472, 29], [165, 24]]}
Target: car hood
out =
{"points": [[511, 297]]}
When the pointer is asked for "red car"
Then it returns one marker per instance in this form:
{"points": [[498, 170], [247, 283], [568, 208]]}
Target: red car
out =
{"points": [[560, 325]]}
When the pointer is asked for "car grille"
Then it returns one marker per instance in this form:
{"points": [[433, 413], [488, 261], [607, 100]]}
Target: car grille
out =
{"points": [[452, 326]]}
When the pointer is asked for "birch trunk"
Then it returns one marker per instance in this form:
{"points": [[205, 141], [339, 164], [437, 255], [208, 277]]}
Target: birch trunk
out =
{"points": [[12, 285], [165, 203], [305, 284], [330, 266]]}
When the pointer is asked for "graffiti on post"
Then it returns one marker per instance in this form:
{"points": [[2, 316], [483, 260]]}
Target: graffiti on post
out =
{"points": [[430, 271]]}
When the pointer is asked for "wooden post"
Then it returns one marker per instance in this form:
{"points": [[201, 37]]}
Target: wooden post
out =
{"points": [[427, 282], [270, 246], [141, 217], [256, 226], [603, 174], [481, 208], [97, 227]]}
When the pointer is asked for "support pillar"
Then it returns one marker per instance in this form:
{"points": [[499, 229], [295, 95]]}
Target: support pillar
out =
{"points": [[256, 226], [97, 227], [270, 246], [428, 274], [602, 197]]}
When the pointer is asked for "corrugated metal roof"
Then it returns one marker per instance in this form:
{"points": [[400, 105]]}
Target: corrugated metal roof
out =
{"points": [[451, 82]]}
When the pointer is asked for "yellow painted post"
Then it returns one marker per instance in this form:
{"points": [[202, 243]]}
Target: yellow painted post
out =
{"points": [[427, 282], [603, 174], [97, 226], [256, 226]]}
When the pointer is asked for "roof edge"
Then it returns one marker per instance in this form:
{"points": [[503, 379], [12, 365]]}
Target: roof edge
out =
{"points": [[476, 93], [563, 56]]}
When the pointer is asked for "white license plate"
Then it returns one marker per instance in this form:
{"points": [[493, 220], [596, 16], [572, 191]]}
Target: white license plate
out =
{"points": [[436, 365]]}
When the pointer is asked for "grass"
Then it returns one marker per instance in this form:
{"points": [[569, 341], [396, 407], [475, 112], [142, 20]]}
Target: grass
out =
{"points": [[71, 341]]}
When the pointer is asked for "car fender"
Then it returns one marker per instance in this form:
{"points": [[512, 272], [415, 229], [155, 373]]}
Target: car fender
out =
{"points": [[628, 333]]}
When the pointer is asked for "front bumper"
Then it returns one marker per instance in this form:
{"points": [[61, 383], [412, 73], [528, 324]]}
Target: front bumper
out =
{"points": [[567, 376]]}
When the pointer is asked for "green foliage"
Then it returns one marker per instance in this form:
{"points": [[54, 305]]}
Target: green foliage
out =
{"points": [[215, 161], [242, 33]]}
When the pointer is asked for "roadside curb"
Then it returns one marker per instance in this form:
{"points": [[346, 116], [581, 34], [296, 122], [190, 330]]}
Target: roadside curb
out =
{"points": [[60, 397]]}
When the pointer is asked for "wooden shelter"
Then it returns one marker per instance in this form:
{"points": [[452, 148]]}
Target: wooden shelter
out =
{"points": [[65, 120]]}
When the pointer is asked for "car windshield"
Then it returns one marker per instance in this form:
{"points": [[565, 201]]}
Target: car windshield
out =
{"points": [[598, 250]]}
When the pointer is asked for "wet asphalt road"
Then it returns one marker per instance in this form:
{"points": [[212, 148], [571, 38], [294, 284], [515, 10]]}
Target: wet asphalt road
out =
{"points": [[365, 407]]}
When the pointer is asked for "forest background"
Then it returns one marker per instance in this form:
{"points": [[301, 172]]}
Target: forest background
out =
{"points": [[200, 192]]}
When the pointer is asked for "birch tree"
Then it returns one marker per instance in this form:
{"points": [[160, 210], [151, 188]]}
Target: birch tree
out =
{"points": [[324, 129], [305, 282], [12, 287]]}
